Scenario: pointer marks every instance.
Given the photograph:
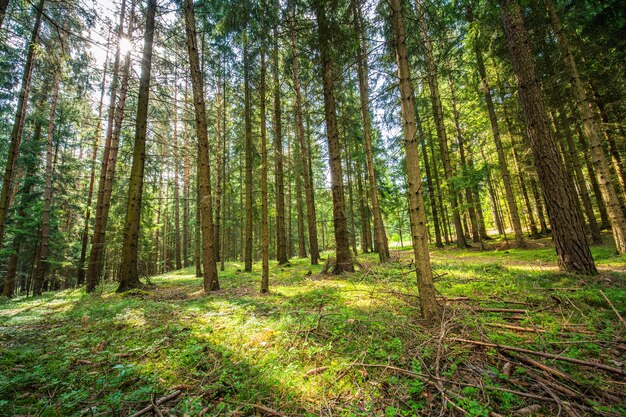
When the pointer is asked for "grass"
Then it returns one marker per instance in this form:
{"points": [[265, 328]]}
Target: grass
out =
{"points": [[299, 350]]}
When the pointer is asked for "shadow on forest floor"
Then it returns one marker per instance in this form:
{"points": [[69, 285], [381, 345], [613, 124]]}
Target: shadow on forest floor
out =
{"points": [[350, 345]]}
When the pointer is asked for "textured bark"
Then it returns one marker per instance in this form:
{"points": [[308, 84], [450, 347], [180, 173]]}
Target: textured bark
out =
{"points": [[502, 162], [42, 258], [18, 124], [249, 156], [429, 183], [92, 177], [279, 172], [428, 302], [175, 161], [431, 77], [460, 141], [96, 255], [298, 173], [218, 169], [343, 261], [222, 242], [380, 236], [567, 226], [572, 154], [4, 5], [308, 181], [211, 282], [128, 274], [592, 132], [265, 259], [186, 184]]}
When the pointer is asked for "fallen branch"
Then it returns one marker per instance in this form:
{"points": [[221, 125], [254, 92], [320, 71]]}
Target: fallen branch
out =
{"points": [[591, 364], [614, 309], [501, 310], [156, 403], [268, 410]]}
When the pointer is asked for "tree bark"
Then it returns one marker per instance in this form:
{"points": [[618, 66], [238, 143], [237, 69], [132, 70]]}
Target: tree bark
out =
{"points": [[92, 177], [42, 258], [343, 261], [128, 274], [308, 181], [502, 162], [428, 302], [265, 261], [175, 161], [567, 226], [96, 256], [249, 155], [211, 282], [18, 124], [380, 236], [590, 124], [279, 172], [431, 76]]}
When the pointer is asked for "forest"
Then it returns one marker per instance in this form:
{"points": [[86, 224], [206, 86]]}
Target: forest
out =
{"points": [[312, 208]]}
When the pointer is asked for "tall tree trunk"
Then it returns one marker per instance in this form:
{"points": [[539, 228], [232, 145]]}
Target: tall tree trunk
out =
{"points": [[186, 184], [343, 262], [175, 161], [590, 123], [211, 282], [42, 258], [249, 155], [265, 260], [197, 254], [96, 256], [567, 226], [218, 168], [18, 124], [460, 141], [439, 122], [279, 174], [298, 172], [428, 302], [222, 243], [502, 162], [308, 181], [594, 228], [128, 274], [380, 236], [92, 177]]}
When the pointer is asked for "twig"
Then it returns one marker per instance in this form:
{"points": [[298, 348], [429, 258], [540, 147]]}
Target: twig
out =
{"points": [[592, 364], [158, 402], [613, 307], [266, 409]]}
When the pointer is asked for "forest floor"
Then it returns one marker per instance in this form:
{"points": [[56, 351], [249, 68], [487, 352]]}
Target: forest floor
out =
{"points": [[320, 345]]}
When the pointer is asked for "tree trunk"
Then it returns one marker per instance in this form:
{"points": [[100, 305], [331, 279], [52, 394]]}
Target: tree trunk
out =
{"points": [[4, 5], [279, 174], [218, 169], [590, 123], [249, 155], [177, 244], [502, 162], [428, 302], [594, 228], [186, 184], [460, 141], [265, 260], [363, 75], [42, 258], [96, 256], [298, 172], [343, 261], [567, 226], [128, 275], [211, 282], [431, 75], [92, 177], [308, 181], [18, 124]]}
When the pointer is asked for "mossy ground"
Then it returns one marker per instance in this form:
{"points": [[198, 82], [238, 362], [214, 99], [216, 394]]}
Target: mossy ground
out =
{"points": [[299, 350]]}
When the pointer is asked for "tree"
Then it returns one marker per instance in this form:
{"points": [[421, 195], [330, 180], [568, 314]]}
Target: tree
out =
{"points": [[18, 123], [211, 282], [567, 226], [343, 262], [428, 302], [128, 275]]}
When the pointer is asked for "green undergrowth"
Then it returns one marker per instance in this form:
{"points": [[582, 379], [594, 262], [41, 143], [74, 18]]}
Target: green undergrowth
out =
{"points": [[300, 349]]}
